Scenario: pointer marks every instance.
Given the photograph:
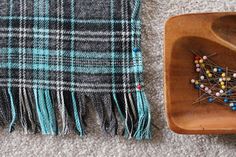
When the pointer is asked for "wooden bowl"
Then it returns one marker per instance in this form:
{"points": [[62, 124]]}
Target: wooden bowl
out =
{"points": [[209, 33]]}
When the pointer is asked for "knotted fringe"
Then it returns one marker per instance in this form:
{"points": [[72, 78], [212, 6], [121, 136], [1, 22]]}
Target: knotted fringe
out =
{"points": [[36, 110]]}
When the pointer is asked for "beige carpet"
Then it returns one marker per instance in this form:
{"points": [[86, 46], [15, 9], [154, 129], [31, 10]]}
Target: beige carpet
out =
{"points": [[165, 142]]}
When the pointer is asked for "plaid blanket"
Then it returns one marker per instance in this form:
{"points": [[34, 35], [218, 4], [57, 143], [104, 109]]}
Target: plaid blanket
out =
{"points": [[55, 54]]}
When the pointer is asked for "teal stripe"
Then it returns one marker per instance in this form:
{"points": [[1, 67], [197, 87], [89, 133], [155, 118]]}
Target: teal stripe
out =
{"points": [[88, 70], [43, 108], [50, 111], [40, 117], [41, 112], [95, 21], [77, 54]]}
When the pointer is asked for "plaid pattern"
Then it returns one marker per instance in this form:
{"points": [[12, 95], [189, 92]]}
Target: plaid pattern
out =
{"points": [[84, 45]]}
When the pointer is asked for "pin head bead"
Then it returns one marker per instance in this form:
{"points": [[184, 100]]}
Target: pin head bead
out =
{"points": [[136, 49], [201, 61], [204, 57], [209, 75], [228, 78], [209, 91], [198, 69], [197, 65], [192, 81], [221, 91], [219, 70], [139, 87], [197, 87], [202, 77], [206, 88], [223, 74], [210, 99], [231, 104], [234, 75], [217, 94], [229, 92], [226, 100], [234, 108], [202, 86], [215, 70]]}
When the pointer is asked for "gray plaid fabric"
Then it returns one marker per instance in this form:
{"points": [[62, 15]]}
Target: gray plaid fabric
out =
{"points": [[53, 50]]}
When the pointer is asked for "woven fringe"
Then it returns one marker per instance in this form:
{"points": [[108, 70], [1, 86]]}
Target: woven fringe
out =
{"points": [[36, 110]]}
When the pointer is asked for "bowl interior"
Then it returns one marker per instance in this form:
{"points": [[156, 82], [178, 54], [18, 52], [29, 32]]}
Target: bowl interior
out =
{"points": [[225, 28], [182, 112]]}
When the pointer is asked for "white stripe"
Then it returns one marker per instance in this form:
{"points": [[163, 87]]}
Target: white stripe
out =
{"points": [[123, 46], [54, 31], [127, 44], [65, 83], [20, 44], [90, 90], [24, 41], [57, 44], [61, 48]]}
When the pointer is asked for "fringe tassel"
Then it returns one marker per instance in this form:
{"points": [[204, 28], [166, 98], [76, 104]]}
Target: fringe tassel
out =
{"points": [[36, 109], [5, 109], [13, 110], [45, 111], [128, 120], [137, 117], [23, 114], [82, 108], [77, 115], [26, 109], [144, 117], [63, 111], [105, 110]]}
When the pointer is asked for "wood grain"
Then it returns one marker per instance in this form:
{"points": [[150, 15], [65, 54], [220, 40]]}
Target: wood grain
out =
{"points": [[208, 33]]}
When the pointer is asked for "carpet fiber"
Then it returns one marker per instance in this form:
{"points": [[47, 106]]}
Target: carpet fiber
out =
{"points": [[165, 142]]}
